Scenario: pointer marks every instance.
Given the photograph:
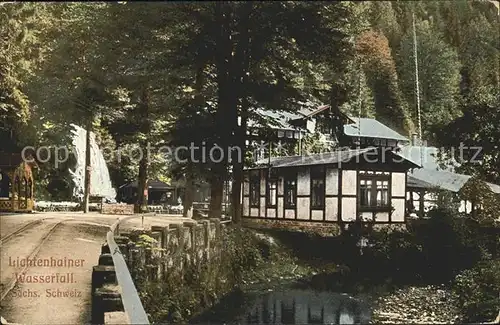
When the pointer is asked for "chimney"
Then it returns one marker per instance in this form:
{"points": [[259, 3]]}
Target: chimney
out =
{"points": [[414, 139]]}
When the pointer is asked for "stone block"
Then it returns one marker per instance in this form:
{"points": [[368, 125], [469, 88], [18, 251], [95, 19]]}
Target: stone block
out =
{"points": [[106, 259], [105, 249], [102, 274], [116, 317]]}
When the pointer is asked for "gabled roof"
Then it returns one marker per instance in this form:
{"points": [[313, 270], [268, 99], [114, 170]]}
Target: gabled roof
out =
{"points": [[364, 127], [441, 179], [275, 119], [427, 157], [371, 128], [335, 157], [153, 184], [311, 111], [434, 175], [417, 183]]}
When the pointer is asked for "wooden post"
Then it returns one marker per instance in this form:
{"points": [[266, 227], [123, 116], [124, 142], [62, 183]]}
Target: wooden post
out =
{"points": [[88, 168], [12, 189], [421, 203], [206, 240]]}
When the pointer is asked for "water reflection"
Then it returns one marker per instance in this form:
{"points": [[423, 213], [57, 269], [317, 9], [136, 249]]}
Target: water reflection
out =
{"points": [[293, 306], [305, 307]]}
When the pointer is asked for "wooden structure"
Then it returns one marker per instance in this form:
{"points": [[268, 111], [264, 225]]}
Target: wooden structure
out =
{"points": [[335, 187], [16, 183], [158, 193], [162, 193]]}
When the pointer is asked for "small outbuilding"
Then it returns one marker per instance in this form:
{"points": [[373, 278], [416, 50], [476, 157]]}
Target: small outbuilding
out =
{"points": [[16, 183], [158, 193]]}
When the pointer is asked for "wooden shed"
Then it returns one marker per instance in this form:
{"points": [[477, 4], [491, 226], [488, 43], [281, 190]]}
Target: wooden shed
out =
{"points": [[16, 183]]}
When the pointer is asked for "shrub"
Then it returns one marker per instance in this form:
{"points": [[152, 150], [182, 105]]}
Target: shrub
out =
{"points": [[180, 295], [433, 250], [478, 291]]}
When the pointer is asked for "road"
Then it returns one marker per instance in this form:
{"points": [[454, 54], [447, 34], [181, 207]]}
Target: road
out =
{"points": [[67, 246]]}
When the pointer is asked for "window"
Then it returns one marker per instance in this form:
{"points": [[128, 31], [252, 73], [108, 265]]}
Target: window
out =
{"points": [[382, 195], [290, 191], [374, 190], [365, 188], [254, 190], [318, 188], [272, 193]]}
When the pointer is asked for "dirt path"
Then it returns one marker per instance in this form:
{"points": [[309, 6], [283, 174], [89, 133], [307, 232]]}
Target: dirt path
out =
{"points": [[12, 222], [65, 299], [20, 247]]}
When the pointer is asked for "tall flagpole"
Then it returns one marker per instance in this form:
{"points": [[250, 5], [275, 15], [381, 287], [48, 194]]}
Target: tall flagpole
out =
{"points": [[417, 85], [417, 90]]}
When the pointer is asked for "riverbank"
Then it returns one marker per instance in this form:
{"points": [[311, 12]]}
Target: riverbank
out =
{"points": [[392, 303], [417, 305], [256, 267]]}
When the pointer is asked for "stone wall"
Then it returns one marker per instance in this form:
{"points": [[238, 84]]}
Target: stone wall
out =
{"points": [[320, 228], [120, 209], [173, 249]]}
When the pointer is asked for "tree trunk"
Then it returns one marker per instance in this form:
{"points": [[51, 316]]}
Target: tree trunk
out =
{"points": [[88, 168], [142, 186], [236, 192], [238, 165], [241, 69], [189, 192], [216, 192], [189, 176], [142, 183]]}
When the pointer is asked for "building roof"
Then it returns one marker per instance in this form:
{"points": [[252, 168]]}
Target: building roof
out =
{"points": [[417, 183], [336, 157], [275, 119], [433, 174], [371, 128], [427, 157], [308, 111], [441, 179], [152, 184]]}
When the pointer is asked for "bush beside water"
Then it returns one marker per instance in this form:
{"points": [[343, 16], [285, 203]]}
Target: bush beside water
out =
{"points": [[246, 258], [455, 251], [444, 257], [477, 291]]}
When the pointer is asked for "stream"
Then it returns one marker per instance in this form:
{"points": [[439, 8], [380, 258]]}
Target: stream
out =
{"points": [[287, 305]]}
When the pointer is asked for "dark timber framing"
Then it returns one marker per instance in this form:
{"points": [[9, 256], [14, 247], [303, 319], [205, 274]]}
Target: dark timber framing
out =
{"points": [[283, 175], [321, 208]]}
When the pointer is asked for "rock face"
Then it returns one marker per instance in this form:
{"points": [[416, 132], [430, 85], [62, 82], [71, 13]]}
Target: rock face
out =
{"points": [[100, 182], [416, 305]]}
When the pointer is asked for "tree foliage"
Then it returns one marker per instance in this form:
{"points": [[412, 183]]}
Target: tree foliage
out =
{"points": [[207, 66]]}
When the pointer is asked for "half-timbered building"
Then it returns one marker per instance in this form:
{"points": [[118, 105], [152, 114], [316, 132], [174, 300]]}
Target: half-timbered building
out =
{"points": [[332, 188]]}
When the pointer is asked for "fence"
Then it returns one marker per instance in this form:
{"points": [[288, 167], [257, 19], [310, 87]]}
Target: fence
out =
{"points": [[113, 288], [112, 284]]}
